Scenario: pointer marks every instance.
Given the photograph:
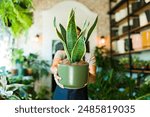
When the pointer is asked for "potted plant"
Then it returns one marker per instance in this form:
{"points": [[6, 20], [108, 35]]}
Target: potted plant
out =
{"points": [[36, 67], [6, 91], [74, 71], [148, 65], [28, 63], [136, 62], [18, 59], [124, 61]]}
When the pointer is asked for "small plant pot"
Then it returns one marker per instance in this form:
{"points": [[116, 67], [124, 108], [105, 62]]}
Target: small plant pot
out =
{"points": [[14, 71], [73, 76], [126, 66], [148, 67], [144, 67], [29, 71]]}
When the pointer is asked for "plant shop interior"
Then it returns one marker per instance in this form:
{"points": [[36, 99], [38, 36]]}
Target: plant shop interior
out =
{"points": [[119, 42]]}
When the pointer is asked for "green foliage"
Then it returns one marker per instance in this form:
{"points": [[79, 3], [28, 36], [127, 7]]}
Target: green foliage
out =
{"points": [[74, 45], [44, 93], [112, 83], [6, 91], [40, 68], [17, 55], [16, 14], [144, 90]]}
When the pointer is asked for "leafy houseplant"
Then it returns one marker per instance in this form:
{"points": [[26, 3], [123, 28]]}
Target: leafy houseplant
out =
{"points": [[39, 68], [18, 59], [6, 91], [17, 55], [112, 82], [75, 48], [16, 14]]}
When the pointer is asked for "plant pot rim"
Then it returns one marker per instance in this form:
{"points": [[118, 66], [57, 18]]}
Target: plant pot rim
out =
{"points": [[74, 64]]}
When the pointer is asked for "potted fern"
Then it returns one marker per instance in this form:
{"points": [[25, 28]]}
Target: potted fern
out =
{"points": [[74, 71]]}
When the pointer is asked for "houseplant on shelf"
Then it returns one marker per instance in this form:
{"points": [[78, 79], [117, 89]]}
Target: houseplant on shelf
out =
{"points": [[74, 71]]}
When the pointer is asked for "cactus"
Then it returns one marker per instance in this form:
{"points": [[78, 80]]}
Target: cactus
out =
{"points": [[74, 45]]}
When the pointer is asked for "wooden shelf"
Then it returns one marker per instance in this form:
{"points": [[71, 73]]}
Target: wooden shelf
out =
{"points": [[116, 8], [135, 14], [120, 36], [120, 54], [140, 28], [141, 71], [121, 21], [122, 4], [140, 50], [142, 9], [131, 31], [133, 51], [132, 15]]}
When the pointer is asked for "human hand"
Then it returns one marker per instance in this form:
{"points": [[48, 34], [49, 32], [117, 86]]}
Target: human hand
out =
{"points": [[57, 79], [91, 78]]}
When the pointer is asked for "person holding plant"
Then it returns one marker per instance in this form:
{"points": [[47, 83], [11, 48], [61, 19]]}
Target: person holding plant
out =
{"points": [[74, 72], [71, 94]]}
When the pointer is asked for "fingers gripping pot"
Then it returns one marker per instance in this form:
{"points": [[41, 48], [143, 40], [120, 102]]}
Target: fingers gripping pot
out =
{"points": [[73, 76]]}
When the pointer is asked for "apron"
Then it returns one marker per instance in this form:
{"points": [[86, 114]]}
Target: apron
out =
{"points": [[70, 94]]}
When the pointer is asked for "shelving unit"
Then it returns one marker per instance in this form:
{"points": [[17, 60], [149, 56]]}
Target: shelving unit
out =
{"points": [[113, 10], [132, 51], [133, 15]]}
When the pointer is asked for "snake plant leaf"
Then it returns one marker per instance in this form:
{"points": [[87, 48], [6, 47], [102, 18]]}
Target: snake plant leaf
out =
{"points": [[83, 30], [71, 35], [63, 32], [74, 45], [59, 35], [78, 50], [64, 44], [57, 31], [62, 39], [54, 22], [85, 25], [71, 13], [92, 28]]}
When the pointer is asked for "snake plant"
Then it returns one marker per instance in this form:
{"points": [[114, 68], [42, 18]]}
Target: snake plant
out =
{"points": [[74, 45]]}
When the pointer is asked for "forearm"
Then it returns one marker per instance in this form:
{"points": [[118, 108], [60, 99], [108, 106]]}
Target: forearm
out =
{"points": [[92, 78], [53, 69], [92, 74]]}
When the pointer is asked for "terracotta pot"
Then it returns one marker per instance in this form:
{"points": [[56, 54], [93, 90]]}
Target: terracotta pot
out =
{"points": [[73, 76]]}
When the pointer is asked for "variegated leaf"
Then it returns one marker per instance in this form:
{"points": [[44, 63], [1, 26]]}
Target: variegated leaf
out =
{"points": [[71, 35], [78, 50], [63, 32], [92, 28]]}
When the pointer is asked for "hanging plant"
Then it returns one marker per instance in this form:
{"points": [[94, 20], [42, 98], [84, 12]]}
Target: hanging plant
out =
{"points": [[17, 15]]}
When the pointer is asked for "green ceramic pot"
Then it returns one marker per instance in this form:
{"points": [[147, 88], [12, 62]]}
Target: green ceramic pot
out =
{"points": [[73, 76]]}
